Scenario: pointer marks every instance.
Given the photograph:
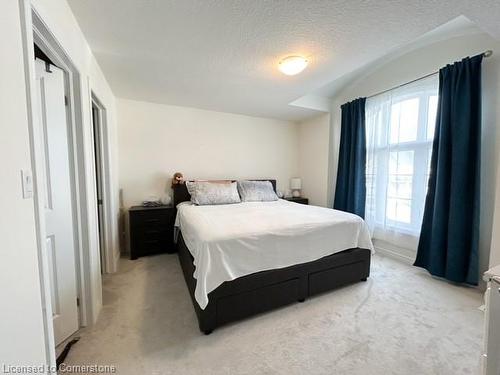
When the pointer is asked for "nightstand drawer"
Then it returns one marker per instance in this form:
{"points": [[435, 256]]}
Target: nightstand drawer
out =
{"points": [[150, 226], [150, 246], [152, 214], [146, 233], [155, 219], [151, 231]]}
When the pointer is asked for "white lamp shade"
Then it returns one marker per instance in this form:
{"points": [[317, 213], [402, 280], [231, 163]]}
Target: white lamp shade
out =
{"points": [[295, 183]]}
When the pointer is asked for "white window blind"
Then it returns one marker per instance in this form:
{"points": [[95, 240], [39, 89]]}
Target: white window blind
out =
{"points": [[399, 130]]}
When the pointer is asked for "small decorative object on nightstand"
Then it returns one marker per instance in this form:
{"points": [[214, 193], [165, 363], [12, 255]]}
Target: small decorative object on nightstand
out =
{"points": [[151, 230], [295, 185], [298, 200]]}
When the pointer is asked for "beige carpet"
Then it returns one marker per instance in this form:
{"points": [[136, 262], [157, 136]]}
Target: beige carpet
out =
{"points": [[402, 321]]}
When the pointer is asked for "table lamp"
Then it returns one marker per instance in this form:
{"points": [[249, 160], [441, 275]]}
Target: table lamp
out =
{"points": [[295, 186]]}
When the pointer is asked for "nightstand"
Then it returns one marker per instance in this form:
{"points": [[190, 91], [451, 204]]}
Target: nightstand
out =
{"points": [[298, 200], [151, 230]]}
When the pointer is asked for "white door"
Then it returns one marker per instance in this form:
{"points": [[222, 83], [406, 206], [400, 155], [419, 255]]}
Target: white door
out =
{"points": [[55, 190]]}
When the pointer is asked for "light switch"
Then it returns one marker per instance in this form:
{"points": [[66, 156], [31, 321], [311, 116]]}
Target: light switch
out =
{"points": [[27, 181]]}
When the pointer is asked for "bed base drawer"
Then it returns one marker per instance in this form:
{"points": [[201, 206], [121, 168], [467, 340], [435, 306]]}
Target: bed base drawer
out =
{"points": [[242, 305], [331, 278]]}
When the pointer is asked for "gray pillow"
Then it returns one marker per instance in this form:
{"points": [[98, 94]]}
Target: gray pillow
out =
{"points": [[207, 193], [256, 191]]}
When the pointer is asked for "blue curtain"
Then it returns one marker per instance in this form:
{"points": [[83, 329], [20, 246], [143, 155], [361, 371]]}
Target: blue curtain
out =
{"points": [[448, 245], [350, 191]]}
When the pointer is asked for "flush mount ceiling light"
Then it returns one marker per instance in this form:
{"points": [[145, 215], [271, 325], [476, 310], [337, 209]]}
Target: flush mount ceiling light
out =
{"points": [[292, 65]]}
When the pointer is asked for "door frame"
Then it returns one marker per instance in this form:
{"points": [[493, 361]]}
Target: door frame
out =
{"points": [[35, 30], [108, 259]]}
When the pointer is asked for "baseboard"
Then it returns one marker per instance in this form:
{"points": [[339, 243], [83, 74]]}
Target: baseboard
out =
{"points": [[395, 254], [116, 260]]}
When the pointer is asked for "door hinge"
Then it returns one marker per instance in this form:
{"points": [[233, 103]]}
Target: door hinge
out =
{"points": [[65, 100], [77, 301], [47, 67]]}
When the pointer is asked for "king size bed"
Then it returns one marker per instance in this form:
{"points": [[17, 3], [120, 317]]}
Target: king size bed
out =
{"points": [[245, 258]]}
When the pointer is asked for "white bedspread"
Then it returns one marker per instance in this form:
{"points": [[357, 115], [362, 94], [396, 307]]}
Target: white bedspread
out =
{"points": [[234, 240]]}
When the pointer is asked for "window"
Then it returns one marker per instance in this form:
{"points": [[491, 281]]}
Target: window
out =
{"points": [[399, 130]]}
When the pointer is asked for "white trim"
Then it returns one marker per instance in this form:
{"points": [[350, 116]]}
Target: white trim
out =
{"points": [[109, 254], [44, 38], [43, 268], [116, 258], [398, 254]]}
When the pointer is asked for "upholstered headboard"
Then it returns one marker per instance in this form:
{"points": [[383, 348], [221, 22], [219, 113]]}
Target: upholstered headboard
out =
{"points": [[181, 193]]}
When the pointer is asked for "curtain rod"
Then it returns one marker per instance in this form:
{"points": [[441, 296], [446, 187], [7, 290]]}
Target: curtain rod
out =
{"points": [[486, 54]]}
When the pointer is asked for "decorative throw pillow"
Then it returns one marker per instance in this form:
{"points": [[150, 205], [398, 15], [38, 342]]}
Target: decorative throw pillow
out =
{"points": [[256, 191], [207, 193]]}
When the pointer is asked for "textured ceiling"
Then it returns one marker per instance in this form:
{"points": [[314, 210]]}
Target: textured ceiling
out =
{"points": [[222, 54]]}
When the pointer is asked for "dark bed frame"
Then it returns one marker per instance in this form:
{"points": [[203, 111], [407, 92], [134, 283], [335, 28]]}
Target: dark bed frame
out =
{"points": [[266, 290]]}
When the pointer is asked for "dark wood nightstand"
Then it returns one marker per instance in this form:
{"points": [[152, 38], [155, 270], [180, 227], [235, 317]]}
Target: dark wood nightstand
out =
{"points": [[151, 230], [298, 200]]}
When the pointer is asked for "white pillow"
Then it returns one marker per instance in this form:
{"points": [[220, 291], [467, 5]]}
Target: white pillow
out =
{"points": [[208, 193], [256, 191]]}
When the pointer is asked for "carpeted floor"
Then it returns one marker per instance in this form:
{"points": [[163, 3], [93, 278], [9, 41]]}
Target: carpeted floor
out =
{"points": [[402, 321]]}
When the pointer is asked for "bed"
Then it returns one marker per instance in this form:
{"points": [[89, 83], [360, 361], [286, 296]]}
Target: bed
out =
{"points": [[242, 259]]}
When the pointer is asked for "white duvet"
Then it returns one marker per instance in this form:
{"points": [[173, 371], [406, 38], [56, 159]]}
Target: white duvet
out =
{"points": [[234, 240]]}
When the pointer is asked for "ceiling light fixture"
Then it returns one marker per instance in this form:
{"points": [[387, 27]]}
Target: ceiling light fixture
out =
{"points": [[292, 65]]}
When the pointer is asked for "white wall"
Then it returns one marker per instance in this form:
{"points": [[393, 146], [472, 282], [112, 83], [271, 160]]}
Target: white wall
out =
{"points": [[156, 140], [426, 60], [313, 158], [21, 325]]}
